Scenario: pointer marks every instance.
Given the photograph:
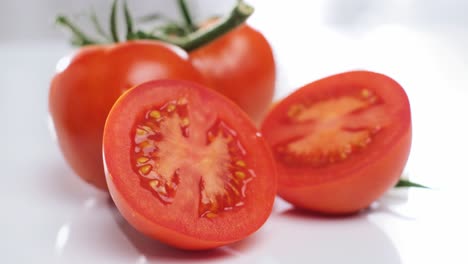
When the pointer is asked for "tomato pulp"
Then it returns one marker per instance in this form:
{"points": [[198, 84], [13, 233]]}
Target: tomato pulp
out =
{"points": [[187, 166], [82, 94], [340, 142]]}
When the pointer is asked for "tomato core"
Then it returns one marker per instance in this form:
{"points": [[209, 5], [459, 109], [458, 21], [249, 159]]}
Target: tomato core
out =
{"points": [[165, 150], [330, 130]]}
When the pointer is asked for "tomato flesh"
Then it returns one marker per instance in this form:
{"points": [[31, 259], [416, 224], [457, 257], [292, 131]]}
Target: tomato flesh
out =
{"points": [[164, 147], [330, 130], [340, 142], [207, 177]]}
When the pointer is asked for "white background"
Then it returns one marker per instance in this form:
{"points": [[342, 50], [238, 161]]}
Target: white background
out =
{"points": [[50, 216]]}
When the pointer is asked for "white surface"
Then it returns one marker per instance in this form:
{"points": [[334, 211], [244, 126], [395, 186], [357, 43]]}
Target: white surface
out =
{"points": [[50, 216]]}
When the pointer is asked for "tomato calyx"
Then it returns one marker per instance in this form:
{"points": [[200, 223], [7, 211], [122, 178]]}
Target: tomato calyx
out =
{"points": [[189, 37], [166, 150]]}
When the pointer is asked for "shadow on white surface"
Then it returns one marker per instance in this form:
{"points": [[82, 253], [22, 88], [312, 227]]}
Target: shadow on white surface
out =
{"points": [[152, 250], [328, 239]]}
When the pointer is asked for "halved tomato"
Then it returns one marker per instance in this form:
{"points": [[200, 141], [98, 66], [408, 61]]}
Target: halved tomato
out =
{"points": [[186, 166], [340, 142]]}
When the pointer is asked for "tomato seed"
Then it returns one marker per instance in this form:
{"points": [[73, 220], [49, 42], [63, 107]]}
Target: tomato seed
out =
{"points": [[365, 93], [154, 184], [145, 169], [240, 175], [142, 160], [141, 132], [210, 215], [185, 122], [155, 114], [171, 108], [241, 163], [182, 101]]}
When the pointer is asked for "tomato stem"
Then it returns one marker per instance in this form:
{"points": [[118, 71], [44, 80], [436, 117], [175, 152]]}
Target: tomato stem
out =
{"points": [[97, 26], [79, 38], [113, 22], [128, 21], [171, 33], [407, 183], [238, 15], [190, 27]]}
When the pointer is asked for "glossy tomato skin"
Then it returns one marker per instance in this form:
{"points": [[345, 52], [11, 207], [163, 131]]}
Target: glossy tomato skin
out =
{"points": [[178, 223], [82, 93], [353, 184], [241, 66]]}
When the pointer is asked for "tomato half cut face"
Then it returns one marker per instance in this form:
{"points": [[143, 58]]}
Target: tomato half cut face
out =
{"points": [[187, 166], [340, 142]]}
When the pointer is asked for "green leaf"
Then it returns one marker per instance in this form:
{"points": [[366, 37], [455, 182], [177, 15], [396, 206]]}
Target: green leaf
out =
{"points": [[79, 38], [407, 183]]}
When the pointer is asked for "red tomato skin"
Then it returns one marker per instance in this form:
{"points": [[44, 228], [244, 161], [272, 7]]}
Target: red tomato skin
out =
{"points": [[82, 94], [351, 194], [146, 226], [241, 66], [137, 205], [352, 185]]}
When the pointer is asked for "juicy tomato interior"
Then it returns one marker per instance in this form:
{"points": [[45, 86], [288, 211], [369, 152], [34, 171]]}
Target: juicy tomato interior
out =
{"points": [[165, 148], [331, 129], [195, 165], [330, 140]]}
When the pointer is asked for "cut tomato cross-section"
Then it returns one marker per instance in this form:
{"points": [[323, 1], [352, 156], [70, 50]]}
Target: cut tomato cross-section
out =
{"points": [[184, 164], [340, 142], [164, 149]]}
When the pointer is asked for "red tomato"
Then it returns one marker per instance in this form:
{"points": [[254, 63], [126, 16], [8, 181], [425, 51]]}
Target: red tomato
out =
{"points": [[187, 166], [340, 142], [83, 93], [241, 66]]}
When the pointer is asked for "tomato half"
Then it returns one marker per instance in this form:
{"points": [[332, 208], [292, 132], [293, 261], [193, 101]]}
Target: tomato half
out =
{"points": [[82, 94], [187, 166], [340, 142], [241, 66]]}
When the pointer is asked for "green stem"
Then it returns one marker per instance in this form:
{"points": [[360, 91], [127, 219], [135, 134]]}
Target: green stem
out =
{"points": [[113, 22], [98, 27], [408, 183], [187, 16], [238, 15], [128, 21], [80, 38]]}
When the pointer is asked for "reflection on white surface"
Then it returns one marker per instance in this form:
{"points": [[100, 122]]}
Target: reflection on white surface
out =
{"points": [[90, 203], [51, 128], [301, 237], [142, 260], [63, 235]]}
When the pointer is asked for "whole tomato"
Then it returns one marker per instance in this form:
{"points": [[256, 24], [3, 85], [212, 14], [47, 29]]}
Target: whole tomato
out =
{"points": [[82, 94], [241, 66]]}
